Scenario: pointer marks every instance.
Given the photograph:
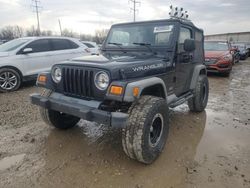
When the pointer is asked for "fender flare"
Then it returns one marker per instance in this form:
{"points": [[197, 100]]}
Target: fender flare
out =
{"points": [[142, 84], [196, 74]]}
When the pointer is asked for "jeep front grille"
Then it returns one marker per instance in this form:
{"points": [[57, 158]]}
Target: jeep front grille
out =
{"points": [[78, 82]]}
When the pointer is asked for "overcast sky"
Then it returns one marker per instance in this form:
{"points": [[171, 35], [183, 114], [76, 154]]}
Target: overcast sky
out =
{"points": [[85, 16]]}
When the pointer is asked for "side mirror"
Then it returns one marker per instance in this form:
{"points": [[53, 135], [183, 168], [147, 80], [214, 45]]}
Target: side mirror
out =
{"points": [[189, 45], [27, 50]]}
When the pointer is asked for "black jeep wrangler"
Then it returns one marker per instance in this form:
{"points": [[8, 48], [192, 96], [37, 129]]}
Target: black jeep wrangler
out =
{"points": [[144, 69]]}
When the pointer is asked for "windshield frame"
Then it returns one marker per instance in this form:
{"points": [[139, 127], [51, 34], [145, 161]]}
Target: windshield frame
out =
{"points": [[107, 47]]}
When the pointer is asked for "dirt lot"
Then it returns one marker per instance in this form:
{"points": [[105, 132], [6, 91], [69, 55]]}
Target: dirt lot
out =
{"points": [[204, 150]]}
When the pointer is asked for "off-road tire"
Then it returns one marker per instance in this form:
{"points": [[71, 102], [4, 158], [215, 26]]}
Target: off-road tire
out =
{"points": [[136, 136], [57, 119], [201, 92], [17, 78]]}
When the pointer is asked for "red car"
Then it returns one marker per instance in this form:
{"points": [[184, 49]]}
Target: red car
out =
{"points": [[218, 57]]}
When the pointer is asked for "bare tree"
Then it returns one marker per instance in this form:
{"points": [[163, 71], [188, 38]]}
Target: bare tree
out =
{"points": [[46, 33], [86, 37], [100, 35], [69, 33], [32, 32], [11, 32]]}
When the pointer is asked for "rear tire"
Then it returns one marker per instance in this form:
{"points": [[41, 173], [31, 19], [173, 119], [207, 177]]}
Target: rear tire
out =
{"points": [[57, 119], [146, 133], [199, 102], [10, 80]]}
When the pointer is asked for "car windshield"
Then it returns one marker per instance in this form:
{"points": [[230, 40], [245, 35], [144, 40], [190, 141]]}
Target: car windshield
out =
{"points": [[215, 46], [153, 34], [89, 45], [13, 44]]}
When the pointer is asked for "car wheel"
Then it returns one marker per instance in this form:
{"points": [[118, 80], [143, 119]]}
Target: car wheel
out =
{"points": [[199, 102], [10, 80], [57, 119], [146, 133]]}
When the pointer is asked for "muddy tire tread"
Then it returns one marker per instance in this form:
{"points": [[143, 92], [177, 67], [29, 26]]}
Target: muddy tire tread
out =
{"points": [[133, 134], [195, 103]]}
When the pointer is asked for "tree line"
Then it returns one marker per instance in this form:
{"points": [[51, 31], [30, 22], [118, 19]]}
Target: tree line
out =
{"points": [[12, 32]]}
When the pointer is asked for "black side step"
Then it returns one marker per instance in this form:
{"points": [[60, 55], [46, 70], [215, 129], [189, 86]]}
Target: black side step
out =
{"points": [[181, 100]]}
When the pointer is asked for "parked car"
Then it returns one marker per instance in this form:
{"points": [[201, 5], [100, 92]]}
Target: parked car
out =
{"points": [[243, 50], [22, 59], [92, 46], [218, 57], [248, 48], [236, 54]]}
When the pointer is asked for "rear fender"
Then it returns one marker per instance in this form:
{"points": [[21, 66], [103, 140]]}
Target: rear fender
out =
{"points": [[198, 70]]}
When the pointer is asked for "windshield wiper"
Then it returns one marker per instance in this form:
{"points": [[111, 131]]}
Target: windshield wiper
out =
{"points": [[119, 45], [115, 43], [144, 44]]}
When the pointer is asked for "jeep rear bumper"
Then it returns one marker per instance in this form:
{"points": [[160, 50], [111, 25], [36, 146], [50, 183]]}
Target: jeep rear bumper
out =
{"points": [[83, 109]]}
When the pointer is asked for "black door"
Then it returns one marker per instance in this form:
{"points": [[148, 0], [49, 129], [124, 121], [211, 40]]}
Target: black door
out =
{"points": [[184, 63]]}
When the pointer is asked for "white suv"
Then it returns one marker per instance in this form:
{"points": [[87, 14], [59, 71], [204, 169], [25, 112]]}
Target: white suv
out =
{"points": [[22, 59]]}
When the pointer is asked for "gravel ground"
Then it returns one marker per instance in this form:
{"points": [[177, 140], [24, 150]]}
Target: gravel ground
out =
{"points": [[210, 149]]}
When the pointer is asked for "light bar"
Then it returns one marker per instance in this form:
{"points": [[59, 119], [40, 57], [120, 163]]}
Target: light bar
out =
{"points": [[178, 13]]}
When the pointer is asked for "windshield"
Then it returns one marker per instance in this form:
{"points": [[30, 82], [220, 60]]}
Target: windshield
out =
{"points": [[13, 45], [215, 46], [153, 34]]}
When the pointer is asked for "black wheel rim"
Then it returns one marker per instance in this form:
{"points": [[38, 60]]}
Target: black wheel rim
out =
{"points": [[8, 80], [156, 130]]}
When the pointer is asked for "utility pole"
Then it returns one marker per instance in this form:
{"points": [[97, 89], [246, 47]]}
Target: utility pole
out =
{"points": [[134, 9], [60, 26], [35, 5]]}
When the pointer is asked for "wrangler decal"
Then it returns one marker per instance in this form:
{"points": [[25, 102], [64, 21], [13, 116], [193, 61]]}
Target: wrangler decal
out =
{"points": [[148, 67]]}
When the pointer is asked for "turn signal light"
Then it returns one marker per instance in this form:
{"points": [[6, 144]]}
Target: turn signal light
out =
{"points": [[136, 91], [116, 90], [42, 79]]}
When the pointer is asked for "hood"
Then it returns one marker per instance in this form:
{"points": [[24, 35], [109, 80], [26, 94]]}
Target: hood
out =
{"points": [[123, 66], [215, 54], [4, 54]]}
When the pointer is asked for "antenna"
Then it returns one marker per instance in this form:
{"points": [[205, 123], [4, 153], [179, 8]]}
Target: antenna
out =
{"points": [[178, 13], [134, 9]]}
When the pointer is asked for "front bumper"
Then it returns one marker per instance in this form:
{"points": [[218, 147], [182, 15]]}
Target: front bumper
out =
{"points": [[215, 69], [221, 67], [87, 110]]}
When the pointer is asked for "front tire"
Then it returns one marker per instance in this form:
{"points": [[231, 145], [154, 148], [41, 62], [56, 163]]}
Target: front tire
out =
{"points": [[10, 80], [199, 102], [57, 119], [146, 133]]}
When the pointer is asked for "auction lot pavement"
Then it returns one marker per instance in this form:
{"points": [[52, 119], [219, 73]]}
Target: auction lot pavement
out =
{"points": [[204, 150]]}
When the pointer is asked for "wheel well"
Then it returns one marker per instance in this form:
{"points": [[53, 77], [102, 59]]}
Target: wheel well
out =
{"points": [[14, 68], [155, 90]]}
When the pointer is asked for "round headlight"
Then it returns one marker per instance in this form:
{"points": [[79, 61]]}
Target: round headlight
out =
{"points": [[102, 80], [56, 74]]}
